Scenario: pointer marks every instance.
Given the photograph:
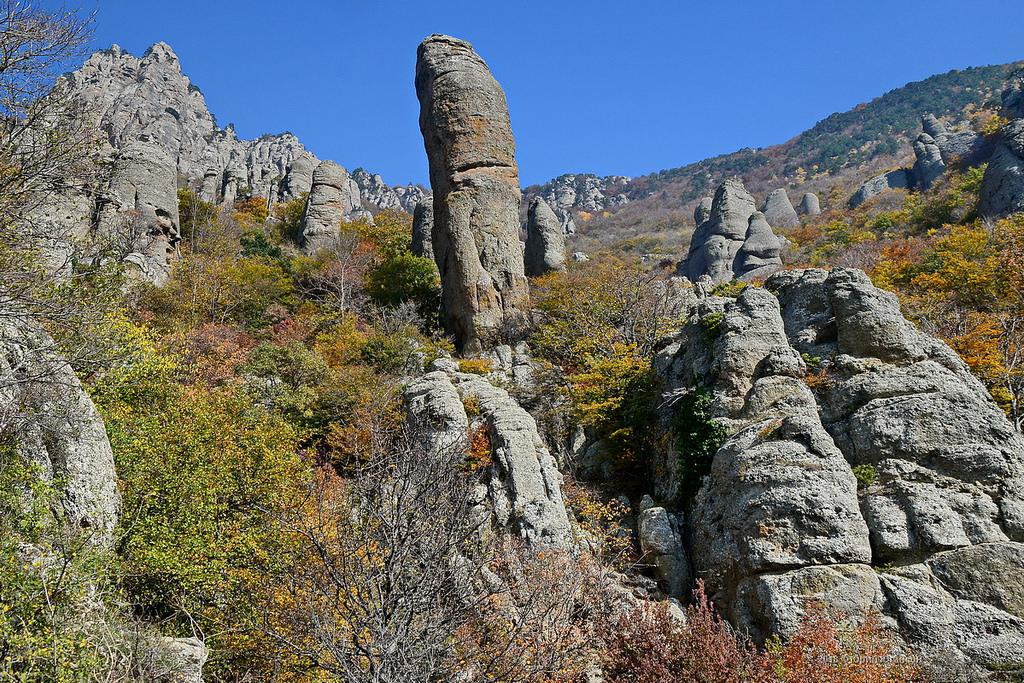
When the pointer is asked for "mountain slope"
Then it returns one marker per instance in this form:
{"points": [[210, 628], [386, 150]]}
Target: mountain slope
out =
{"points": [[837, 152]]}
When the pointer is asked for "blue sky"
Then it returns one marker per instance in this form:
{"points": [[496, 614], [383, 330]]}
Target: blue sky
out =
{"points": [[623, 87]]}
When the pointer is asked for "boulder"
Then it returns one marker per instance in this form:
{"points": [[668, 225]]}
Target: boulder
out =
{"points": [[184, 658], [1013, 96], [331, 200], [422, 228], [545, 241], [475, 181], [899, 179], [809, 205], [779, 211], [662, 545]]}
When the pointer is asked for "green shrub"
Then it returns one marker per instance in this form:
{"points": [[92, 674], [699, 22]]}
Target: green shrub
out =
{"points": [[732, 289], [405, 277], [697, 436], [712, 325], [865, 474]]}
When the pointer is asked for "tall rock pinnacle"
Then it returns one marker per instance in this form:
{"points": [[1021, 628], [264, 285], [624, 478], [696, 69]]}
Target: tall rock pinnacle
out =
{"points": [[468, 138]]}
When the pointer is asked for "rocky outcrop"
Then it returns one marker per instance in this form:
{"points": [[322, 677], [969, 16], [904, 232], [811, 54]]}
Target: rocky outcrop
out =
{"points": [[1002, 188], [659, 534], [779, 211], [298, 179], [520, 490], [569, 194], [56, 426], [760, 255], [545, 241], [930, 536], [150, 98], [702, 211], [379, 195], [929, 165], [332, 198], [144, 186], [475, 182], [423, 228], [900, 179], [809, 205], [735, 241]]}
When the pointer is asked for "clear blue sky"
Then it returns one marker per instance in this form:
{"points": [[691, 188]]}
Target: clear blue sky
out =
{"points": [[624, 87]]}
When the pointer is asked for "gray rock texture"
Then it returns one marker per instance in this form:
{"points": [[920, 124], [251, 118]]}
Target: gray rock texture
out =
{"points": [[185, 659], [780, 518], [569, 194], [298, 179], [379, 195], [475, 181], [662, 545], [702, 211], [56, 426], [423, 227], [150, 98], [523, 485], [332, 199], [779, 211], [1002, 189], [734, 241], [143, 198], [929, 165], [809, 205], [899, 179], [545, 241]]}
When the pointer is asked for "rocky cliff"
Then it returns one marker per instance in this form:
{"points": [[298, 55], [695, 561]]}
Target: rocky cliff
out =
{"points": [[151, 98]]}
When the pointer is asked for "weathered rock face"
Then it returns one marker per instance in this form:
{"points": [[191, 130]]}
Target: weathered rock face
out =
{"points": [[702, 211], [571, 193], [1013, 97], [58, 428], [422, 228], [661, 543], [545, 241], [932, 539], [809, 205], [521, 491], [332, 198], [929, 165], [734, 241], [378, 194], [144, 183], [475, 182], [298, 179], [761, 252], [1002, 189], [150, 97], [779, 211], [899, 179]]}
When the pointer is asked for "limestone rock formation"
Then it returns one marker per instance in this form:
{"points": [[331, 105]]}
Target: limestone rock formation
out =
{"points": [[545, 241], [661, 542], [378, 194], [150, 98], [761, 252], [1013, 96], [702, 211], [475, 181], [144, 183], [734, 241], [932, 539], [1002, 189], [423, 227], [58, 428], [929, 165], [779, 211], [571, 193], [809, 205], [899, 179], [521, 490], [332, 198], [298, 178]]}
